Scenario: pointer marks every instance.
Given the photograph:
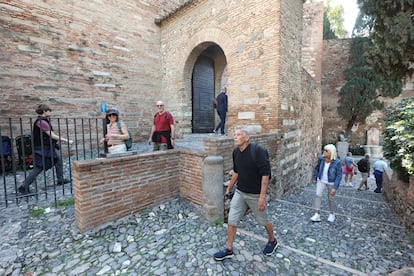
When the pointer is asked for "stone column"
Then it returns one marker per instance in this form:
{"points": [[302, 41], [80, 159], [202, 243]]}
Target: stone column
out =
{"points": [[213, 203]]}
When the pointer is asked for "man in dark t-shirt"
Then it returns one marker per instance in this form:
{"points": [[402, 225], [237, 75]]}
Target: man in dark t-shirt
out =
{"points": [[251, 172]]}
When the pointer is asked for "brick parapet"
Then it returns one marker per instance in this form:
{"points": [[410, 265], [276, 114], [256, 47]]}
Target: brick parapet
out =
{"points": [[109, 189]]}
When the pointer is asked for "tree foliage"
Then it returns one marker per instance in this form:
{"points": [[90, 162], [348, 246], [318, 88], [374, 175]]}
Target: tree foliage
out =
{"points": [[391, 25], [399, 138], [333, 21], [358, 97], [374, 73], [328, 33]]}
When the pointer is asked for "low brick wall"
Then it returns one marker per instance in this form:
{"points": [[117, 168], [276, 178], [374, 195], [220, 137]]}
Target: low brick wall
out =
{"points": [[109, 189], [400, 195]]}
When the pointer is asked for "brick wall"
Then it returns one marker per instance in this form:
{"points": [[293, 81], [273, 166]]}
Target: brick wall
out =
{"points": [[268, 91], [190, 176], [109, 189], [312, 39], [300, 104], [74, 55], [401, 197], [250, 43]]}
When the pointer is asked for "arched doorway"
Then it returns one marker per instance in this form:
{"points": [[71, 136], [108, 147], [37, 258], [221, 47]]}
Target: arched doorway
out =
{"points": [[203, 95], [206, 81]]}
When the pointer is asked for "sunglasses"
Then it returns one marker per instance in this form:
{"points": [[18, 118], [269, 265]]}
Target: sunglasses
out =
{"points": [[112, 114], [160, 105]]}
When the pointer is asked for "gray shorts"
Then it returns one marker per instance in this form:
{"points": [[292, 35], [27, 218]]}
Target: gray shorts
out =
{"points": [[364, 176], [238, 207]]}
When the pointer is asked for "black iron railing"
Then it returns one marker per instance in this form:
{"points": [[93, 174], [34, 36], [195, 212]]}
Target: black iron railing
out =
{"points": [[17, 155]]}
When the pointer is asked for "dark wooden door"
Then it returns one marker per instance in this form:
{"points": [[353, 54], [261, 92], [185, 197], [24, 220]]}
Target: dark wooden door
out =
{"points": [[203, 95]]}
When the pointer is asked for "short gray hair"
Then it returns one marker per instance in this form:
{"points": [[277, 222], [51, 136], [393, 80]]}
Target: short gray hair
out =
{"points": [[243, 130]]}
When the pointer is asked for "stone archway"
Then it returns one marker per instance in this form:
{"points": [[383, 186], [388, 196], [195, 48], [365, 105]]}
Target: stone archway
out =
{"points": [[207, 80], [211, 42]]}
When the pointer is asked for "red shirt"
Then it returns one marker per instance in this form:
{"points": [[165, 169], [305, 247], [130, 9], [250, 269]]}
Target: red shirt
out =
{"points": [[162, 123]]}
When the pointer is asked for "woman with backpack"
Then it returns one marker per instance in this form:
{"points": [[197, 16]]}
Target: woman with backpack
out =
{"points": [[116, 132]]}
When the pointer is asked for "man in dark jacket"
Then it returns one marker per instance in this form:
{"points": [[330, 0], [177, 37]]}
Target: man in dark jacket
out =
{"points": [[45, 142], [221, 106]]}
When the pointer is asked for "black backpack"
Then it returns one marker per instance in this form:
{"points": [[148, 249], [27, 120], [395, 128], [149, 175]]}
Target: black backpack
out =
{"points": [[253, 151], [363, 165]]}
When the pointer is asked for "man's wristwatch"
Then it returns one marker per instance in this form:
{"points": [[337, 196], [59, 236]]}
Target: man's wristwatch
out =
{"points": [[172, 138]]}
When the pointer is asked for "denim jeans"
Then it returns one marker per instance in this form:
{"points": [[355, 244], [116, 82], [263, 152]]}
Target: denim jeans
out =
{"points": [[378, 180], [220, 126]]}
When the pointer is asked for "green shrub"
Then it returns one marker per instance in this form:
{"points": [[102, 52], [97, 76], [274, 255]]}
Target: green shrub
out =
{"points": [[357, 150], [37, 212], [67, 202], [399, 138]]}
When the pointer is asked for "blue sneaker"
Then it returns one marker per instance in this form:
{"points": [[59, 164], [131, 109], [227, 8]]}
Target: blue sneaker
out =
{"points": [[223, 254], [270, 248]]}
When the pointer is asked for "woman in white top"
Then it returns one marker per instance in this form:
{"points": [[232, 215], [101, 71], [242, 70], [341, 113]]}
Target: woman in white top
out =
{"points": [[117, 132], [327, 173]]}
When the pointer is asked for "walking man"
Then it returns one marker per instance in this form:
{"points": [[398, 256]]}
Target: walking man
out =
{"points": [[364, 168], [221, 106], [162, 132], [251, 172], [379, 168]]}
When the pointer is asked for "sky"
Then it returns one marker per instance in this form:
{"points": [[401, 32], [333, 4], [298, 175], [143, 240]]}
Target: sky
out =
{"points": [[350, 13]]}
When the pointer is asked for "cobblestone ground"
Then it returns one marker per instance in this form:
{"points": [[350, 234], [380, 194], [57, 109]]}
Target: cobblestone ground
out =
{"points": [[172, 238]]}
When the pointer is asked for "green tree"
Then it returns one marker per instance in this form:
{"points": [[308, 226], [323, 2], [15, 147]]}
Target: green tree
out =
{"points": [[392, 35], [328, 33], [333, 20], [368, 79], [358, 97], [335, 15]]}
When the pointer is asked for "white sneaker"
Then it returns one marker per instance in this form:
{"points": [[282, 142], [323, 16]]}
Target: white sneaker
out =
{"points": [[316, 218], [331, 218]]}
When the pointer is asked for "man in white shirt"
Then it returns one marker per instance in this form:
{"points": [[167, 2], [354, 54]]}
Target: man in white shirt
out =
{"points": [[379, 168]]}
